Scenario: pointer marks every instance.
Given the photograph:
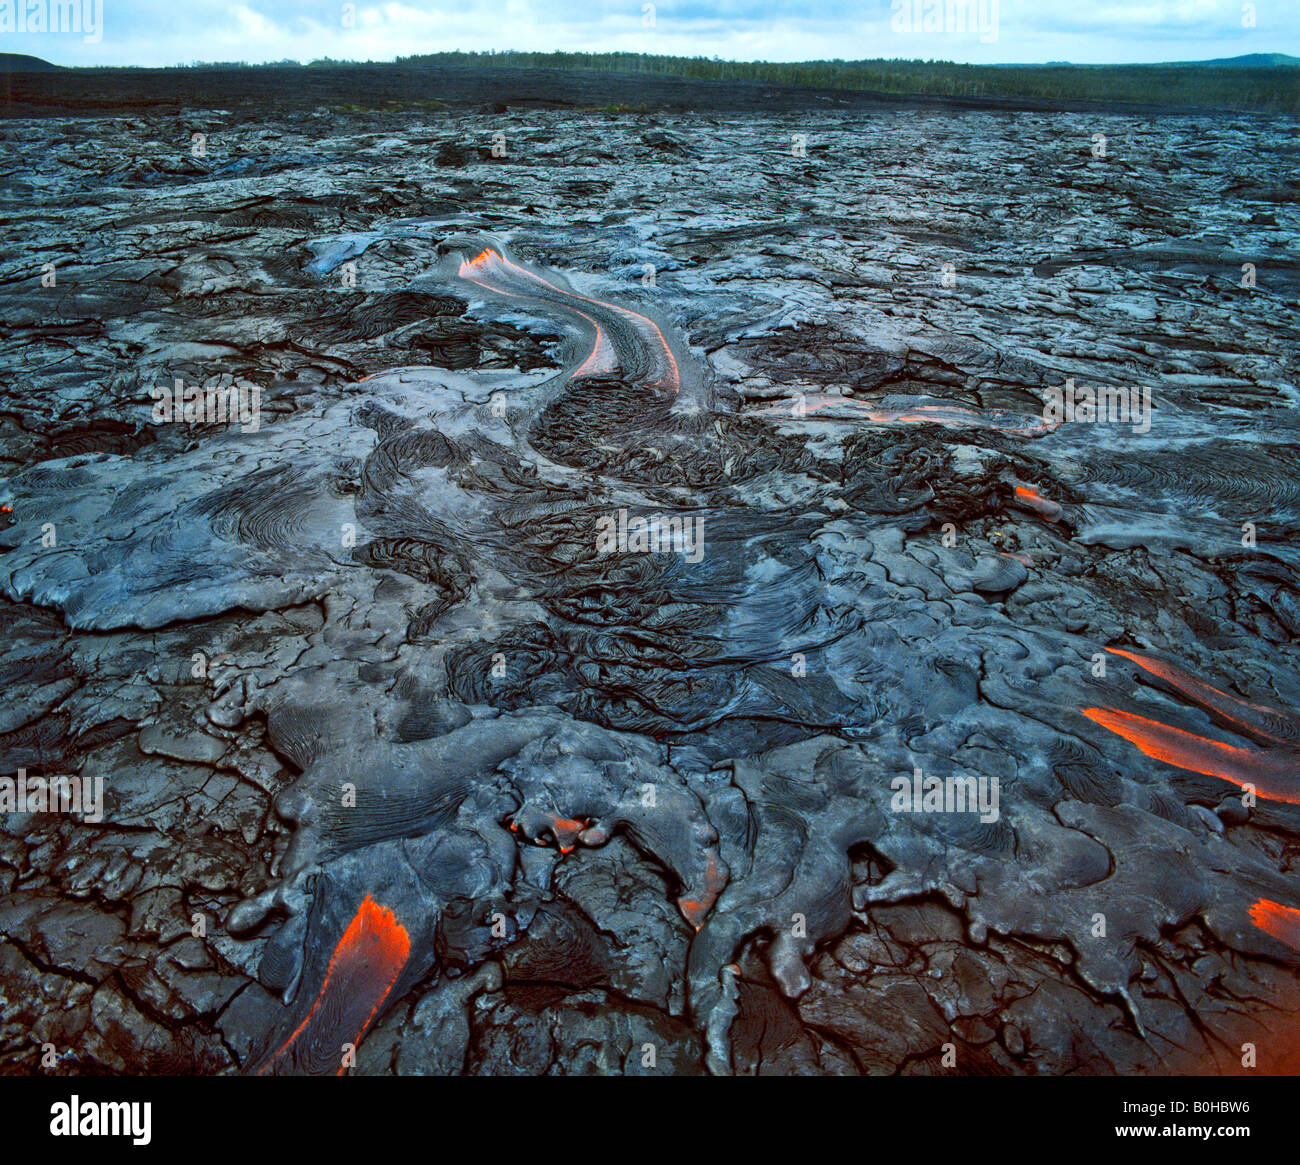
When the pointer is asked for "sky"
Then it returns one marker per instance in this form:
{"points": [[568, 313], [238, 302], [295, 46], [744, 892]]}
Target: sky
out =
{"points": [[149, 32]]}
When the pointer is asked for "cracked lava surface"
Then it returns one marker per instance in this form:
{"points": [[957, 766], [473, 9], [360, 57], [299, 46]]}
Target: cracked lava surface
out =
{"points": [[395, 759]]}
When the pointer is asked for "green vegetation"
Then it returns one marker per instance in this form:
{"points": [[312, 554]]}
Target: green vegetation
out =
{"points": [[1273, 87], [1268, 82]]}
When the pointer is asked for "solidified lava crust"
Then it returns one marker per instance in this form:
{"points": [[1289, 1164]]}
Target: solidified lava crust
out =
{"points": [[736, 661]]}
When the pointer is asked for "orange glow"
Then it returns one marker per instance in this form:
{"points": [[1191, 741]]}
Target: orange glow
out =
{"points": [[692, 910], [1029, 498], [695, 910], [1273, 776], [601, 361], [566, 833], [363, 968], [1282, 922], [1237, 711]]}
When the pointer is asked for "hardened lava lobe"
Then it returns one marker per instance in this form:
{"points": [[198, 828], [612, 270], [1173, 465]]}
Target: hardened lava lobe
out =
{"points": [[733, 660]]}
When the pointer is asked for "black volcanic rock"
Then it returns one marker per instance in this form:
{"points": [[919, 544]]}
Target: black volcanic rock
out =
{"points": [[415, 761]]}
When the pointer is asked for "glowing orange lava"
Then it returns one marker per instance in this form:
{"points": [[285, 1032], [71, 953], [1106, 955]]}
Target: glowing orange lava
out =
{"points": [[602, 360], [1250, 717], [1282, 922], [1271, 775], [362, 970], [566, 832], [695, 910], [1028, 498]]}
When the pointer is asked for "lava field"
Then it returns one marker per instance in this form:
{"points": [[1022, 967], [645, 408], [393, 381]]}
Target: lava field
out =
{"points": [[530, 586]]}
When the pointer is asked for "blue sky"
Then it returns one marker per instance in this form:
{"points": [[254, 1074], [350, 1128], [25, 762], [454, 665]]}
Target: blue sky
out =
{"points": [[148, 32]]}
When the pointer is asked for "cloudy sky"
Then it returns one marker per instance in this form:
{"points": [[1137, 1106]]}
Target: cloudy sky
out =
{"points": [[150, 32]]}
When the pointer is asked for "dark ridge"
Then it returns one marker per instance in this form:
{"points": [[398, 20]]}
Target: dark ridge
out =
{"points": [[627, 83], [23, 63]]}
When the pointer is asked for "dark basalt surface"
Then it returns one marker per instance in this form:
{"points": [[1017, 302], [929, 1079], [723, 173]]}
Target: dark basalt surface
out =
{"points": [[449, 790]]}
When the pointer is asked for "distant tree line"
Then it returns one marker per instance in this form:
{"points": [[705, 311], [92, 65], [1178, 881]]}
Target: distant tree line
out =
{"points": [[1268, 88], [1273, 88]]}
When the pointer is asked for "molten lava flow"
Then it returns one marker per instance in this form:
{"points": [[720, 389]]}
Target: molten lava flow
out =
{"points": [[602, 361], [1028, 498], [566, 830], [1272, 775], [695, 910], [361, 972], [1252, 718], [1282, 922]]}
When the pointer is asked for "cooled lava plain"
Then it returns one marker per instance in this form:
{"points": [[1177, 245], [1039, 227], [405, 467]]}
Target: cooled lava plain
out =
{"points": [[654, 623]]}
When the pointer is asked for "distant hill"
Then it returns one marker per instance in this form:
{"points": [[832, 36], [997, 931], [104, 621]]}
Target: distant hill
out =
{"points": [[1249, 61], [22, 63]]}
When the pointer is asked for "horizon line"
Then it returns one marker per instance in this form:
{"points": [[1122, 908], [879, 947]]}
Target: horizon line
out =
{"points": [[1292, 61]]}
